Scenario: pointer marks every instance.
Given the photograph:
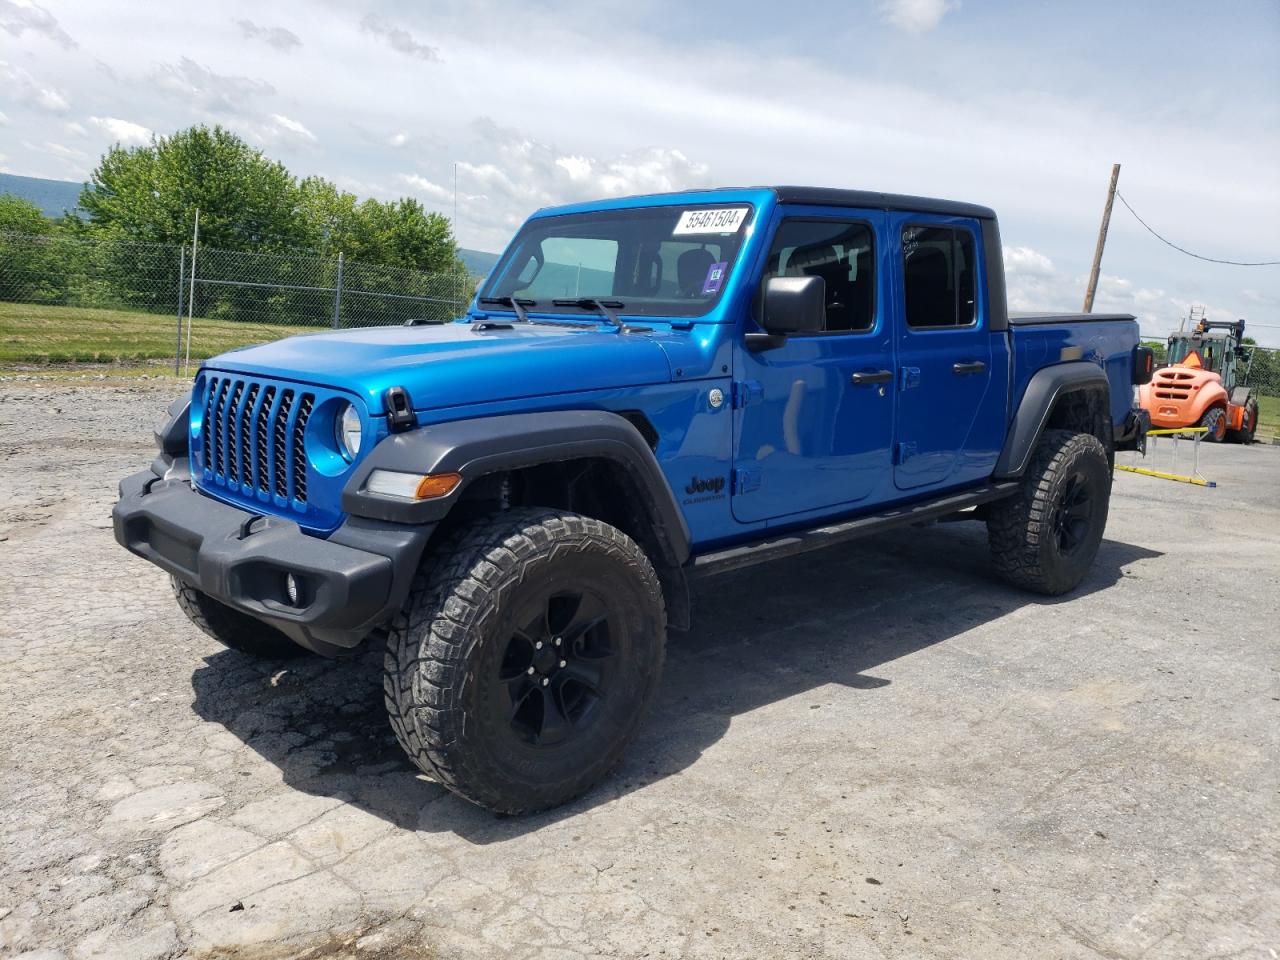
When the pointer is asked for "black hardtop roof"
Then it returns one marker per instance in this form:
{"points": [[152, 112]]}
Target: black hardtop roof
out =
{"points": [[832, 197], [822, 196]]}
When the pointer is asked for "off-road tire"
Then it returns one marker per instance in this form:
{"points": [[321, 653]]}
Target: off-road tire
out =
{"points": [[1249, 426], [457, 635], [1215, 422], [1023, 530], [230, 627]]}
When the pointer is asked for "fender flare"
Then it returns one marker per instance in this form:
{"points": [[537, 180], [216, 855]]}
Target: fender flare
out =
{"points": [[1043, 391], [486, 445]]}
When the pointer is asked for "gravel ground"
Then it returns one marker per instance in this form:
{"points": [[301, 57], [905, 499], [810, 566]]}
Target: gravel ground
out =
{"points": [[873, 752]]}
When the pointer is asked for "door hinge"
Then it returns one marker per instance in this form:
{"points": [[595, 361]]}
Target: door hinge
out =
{"points": [[902, 452], [747, 392], [910, 378], [745, 480]]}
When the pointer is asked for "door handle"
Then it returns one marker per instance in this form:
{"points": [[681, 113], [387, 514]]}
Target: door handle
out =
{"points": [[863, 377], [969, 366]]}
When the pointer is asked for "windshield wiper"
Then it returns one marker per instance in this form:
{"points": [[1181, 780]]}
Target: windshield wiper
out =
{"points": [[516, 304], [605, 308]]}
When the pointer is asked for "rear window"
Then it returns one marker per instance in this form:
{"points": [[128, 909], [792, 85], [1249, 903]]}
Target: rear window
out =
{"points": [[939, 276], [658, 261]]}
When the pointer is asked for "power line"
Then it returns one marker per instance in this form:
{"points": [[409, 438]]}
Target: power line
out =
{"points": [[1234, 263]]}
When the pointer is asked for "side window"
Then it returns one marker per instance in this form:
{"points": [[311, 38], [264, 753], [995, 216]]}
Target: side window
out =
{"points": [[842, 254], [939, 276]]}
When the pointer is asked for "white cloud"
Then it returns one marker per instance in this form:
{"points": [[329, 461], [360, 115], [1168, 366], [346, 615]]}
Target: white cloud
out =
{"points": [[278, 37], [4, 119], [1023, 261], [916, 16], [277, 129], [198, 86], [397, 38], [292, 127], [124, 132], [26, 89], [426, 187], [73, 129], [397, 139], [19, 16]]}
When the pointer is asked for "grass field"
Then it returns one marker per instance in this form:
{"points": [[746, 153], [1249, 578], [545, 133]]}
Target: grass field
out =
{"points": [[36, 334], [1269, 416]]}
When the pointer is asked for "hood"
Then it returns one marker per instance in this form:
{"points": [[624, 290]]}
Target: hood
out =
{"points": [[454, 364]]}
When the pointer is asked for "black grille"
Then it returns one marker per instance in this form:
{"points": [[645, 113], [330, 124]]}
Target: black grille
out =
{"points": [[255, 436]]}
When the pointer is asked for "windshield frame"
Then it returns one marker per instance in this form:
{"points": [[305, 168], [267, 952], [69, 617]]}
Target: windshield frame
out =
{"points": [[650, 308]]}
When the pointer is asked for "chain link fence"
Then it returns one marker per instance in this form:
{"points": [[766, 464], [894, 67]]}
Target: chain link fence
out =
{"points": [[64, 298]]}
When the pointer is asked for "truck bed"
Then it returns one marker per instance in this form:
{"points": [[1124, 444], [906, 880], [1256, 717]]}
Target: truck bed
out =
{"points": [[1037, 319]]}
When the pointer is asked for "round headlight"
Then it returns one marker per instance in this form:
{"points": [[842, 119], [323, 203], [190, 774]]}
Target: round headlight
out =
{"points": [[348, 432]]}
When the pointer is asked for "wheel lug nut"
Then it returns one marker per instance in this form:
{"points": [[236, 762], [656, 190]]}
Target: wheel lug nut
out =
{"points": [[559, 640], [564, 663], [538, 645], [545, 681], [530, 671]]}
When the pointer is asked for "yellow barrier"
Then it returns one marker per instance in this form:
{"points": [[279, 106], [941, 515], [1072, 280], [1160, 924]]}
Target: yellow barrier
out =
{"points": [[1194, 477]]}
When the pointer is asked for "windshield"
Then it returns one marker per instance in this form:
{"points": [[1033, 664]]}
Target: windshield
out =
{"points": [[654, 261], [1210, 352]]}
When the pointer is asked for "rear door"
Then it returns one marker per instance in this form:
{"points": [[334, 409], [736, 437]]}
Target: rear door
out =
{"points": [[813, 418], [952, 369]]}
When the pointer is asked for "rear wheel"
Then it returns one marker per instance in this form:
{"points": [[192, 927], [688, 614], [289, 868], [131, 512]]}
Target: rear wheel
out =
{"points": [[523, 660], [1248, 423], [230, 627], [1044, 538], [1215, 423]]}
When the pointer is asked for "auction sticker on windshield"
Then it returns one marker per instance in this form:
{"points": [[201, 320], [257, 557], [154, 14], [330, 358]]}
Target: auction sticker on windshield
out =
{"points": [[721, 220]]}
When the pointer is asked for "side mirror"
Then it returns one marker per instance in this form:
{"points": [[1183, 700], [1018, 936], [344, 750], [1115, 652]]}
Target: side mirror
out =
{"points": [[795, 305]]}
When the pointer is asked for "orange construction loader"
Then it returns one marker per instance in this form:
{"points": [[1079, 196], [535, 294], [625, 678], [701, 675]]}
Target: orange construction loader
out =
{"points": [[1197, 386]]}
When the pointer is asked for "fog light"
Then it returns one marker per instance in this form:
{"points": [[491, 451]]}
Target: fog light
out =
{"points": [[291, 588]]}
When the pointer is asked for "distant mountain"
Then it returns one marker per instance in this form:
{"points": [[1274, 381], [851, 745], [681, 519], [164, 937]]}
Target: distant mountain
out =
{"points": [[478, 262], [53, 197], [56, 197]]}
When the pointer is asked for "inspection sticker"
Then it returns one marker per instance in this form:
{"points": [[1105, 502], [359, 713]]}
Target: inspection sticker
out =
{"points": [[722, 220], [715, 277]]}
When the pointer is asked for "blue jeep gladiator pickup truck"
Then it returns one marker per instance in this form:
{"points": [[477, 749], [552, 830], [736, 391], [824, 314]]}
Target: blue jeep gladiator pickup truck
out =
{"points": [[644, 392]]}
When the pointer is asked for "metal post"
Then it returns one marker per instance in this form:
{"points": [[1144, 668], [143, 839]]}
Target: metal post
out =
{"points": [[191, 295], [182, 269], [337, 294], [1102, 240]]}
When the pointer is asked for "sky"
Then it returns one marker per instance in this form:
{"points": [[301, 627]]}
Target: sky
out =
{"points": [[1019, 106]]}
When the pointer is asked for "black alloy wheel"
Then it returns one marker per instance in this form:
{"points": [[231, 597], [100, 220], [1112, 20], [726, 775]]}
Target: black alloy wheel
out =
{"points": [[555, 672]]}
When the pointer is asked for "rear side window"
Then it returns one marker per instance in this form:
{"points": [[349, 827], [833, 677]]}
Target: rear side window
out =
{"points": [[842, 254], [939, 276]]}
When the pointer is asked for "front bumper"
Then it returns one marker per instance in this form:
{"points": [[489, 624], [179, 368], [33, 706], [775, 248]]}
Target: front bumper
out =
{"points": [[349, 584]]}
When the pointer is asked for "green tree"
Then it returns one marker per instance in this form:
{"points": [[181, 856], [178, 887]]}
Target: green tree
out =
{"points": [[246, 201], [399, 233], [22, 216]]}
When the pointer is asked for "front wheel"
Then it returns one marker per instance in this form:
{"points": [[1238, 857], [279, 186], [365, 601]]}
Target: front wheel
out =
{"points": [[1045, 536], [1215, 423], [524, 658]]}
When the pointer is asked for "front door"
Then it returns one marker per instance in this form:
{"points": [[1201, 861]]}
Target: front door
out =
{"points": [[952, 369], [814, 417]]}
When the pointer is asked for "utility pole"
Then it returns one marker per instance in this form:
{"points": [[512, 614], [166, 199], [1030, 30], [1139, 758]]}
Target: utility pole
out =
{"points": [[1102, 240]]}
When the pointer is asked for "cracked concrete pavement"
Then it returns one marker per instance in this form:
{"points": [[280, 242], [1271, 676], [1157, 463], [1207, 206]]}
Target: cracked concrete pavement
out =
{"points": [[873, 752]]}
